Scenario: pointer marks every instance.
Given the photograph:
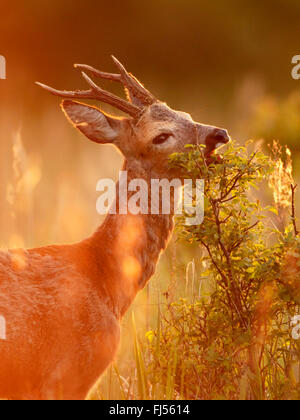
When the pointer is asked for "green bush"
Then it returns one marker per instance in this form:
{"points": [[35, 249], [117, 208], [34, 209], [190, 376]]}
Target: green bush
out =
{"points": [[232, 337]]}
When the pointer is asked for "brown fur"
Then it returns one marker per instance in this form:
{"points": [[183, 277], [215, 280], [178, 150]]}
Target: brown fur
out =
{"points": [[63, 304]]}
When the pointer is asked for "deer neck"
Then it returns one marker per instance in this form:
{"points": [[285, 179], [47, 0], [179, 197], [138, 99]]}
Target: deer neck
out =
{"points": [[128, 246]]}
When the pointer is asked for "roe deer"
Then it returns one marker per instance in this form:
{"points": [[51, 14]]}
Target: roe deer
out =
{"points": [[63, 304]]}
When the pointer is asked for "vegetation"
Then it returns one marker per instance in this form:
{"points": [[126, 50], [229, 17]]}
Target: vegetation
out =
{"points": [[230, 335]]}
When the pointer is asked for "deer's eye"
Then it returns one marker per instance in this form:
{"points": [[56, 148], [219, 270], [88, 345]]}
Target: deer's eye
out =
{"points": [[161, 138]]}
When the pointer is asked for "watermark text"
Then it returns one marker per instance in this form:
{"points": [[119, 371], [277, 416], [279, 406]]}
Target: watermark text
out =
{"points": [[158, 196], [2, 328], [2, 67], [295, 322], [296, 68]]}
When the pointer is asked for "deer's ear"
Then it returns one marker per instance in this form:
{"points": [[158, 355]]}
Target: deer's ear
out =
{"points": [[92, 122]]}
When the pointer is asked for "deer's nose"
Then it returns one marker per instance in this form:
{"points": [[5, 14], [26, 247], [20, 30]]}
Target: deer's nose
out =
{"points": [[220, 136], [215, 139]]}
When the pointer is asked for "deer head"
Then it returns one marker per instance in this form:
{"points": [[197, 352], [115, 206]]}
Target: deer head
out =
{"points": [[152, 131]]}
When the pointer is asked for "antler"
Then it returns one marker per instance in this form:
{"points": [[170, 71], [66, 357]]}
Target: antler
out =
{"points": [[134, 87]]}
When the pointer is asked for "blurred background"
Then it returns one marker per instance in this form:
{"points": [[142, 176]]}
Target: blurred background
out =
{"points": [[228, 63]]}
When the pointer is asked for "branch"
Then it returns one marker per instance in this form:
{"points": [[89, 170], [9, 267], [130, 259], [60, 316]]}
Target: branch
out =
{"points": [[235, 179], [223, 276], [293, 188]]}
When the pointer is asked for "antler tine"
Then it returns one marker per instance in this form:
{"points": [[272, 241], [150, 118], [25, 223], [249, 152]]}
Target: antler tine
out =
{"points": [[134, 85], [96, 93], [98, 73], [76, 94]]}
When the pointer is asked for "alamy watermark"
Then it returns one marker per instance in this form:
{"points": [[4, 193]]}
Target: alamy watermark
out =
{"points": [[2, 319], [2, 328], [295, 323], [2, 67], [296, 68], [165, 197]]}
